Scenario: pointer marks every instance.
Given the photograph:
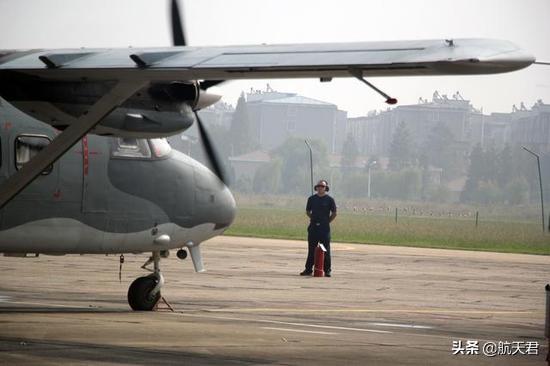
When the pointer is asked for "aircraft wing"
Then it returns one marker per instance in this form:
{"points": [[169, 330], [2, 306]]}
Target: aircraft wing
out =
{"points": [[326, 60], [95, 82]]}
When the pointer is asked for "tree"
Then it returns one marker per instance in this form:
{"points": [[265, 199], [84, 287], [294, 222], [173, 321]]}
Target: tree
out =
{"points": [[488, 192], [400, 148], [439, 194], [267, 178], [240, 134], [405, 184], [517, 191], [505, 167], [490, 168], [476, 173], [350, 153], [441, 151], [295, 170]]}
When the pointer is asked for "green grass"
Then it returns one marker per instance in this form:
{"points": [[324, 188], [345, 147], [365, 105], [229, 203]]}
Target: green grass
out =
{"points": [[456, 233]]}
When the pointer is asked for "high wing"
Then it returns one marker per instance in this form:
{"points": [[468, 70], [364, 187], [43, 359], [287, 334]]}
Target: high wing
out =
{"points": [[398, 58], [57, 86], [76, 90]]}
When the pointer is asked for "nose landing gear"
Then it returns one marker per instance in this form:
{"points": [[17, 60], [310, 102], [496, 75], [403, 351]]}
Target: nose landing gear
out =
{"points": [[144, 292]]}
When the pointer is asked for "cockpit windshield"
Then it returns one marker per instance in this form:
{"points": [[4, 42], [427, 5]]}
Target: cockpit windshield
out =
{"points": [[132, 148]]}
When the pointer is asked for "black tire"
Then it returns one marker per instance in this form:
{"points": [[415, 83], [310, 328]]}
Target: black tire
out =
{"points": [[139, 294], [181, 254]]}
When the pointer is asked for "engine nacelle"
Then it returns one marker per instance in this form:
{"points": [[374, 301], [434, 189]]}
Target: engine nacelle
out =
{"points": [[183, 92], [158, 110]]}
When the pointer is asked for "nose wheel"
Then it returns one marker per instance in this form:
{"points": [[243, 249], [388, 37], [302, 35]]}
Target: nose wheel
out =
{"points": [[140, 294], [144, 292]]}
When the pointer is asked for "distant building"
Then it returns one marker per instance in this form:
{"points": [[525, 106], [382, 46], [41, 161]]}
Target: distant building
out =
{"points": [[375, 131], [531, 127], [276, 116], [366, 131], [523, 126], [245, 166]]}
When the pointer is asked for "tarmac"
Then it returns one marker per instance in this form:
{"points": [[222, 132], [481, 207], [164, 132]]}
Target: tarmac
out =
{"points": [[383, 306]]}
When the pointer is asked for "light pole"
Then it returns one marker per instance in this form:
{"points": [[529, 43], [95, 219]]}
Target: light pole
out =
{"points": [[540, 184], [310, 164], [369, 166]]}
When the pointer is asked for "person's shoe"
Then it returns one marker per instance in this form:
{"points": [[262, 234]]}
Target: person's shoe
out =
{"points": [[327, 274], [306, 273]]}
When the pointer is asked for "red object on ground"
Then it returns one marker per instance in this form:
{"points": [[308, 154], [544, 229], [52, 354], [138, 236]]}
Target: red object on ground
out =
{"points": [[319, 263]]}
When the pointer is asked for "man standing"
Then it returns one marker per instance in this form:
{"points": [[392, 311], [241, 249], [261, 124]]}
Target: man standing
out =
{"points": [[321, 209]]}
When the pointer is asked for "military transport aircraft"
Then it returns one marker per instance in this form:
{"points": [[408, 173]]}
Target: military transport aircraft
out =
{"points": [[84, 167]]}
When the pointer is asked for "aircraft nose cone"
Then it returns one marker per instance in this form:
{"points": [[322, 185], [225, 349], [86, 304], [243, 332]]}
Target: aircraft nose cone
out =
{"points": [[227, 209], [214, 201]]}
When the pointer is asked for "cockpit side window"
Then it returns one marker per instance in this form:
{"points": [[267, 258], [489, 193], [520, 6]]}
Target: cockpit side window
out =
{"points": [[27, 146], [160, 147], [131, 148]]}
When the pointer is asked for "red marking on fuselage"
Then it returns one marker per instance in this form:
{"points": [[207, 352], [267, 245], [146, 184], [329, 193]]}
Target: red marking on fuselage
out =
{"points": [[57, 194], [7, 125], [85, 155]]}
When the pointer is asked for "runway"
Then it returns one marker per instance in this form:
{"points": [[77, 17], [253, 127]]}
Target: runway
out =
{"points": [[383, 306]]}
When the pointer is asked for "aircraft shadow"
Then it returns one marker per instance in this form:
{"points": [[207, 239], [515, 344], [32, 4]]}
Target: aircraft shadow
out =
{"points": [[76, 352], [57, 310]]}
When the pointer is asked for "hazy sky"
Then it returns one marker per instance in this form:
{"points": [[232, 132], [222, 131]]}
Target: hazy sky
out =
{"points": [[120, 23]]}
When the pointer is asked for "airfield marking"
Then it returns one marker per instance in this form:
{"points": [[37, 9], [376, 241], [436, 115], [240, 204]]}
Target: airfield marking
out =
{"points": [[299, 331], [399, 325], [4, 298], [420, 311], [53, 305], [317, 326], [342, 247], [280, 322], [439, 336]]}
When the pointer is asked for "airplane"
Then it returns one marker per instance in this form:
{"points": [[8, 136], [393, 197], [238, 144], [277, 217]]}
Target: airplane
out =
{"points": [[85, 168]]}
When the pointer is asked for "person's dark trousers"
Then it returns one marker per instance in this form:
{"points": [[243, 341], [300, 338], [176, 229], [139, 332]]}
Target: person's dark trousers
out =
{"points": [[315, 235]]}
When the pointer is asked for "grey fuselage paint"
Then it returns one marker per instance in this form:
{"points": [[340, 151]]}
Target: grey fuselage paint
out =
{"points": [[106, 194]]}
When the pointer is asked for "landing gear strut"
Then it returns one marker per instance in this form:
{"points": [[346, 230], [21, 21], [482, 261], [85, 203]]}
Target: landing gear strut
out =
{"points": [[144, 292]]}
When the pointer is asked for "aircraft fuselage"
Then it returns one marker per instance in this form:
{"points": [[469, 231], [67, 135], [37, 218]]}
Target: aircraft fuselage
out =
{"points": [[107, 195]]}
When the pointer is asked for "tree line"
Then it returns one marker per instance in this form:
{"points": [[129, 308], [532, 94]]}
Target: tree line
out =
{"points": [[412, 172]]}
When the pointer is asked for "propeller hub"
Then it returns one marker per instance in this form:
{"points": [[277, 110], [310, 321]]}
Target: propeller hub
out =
{"points": [[205, 100]]}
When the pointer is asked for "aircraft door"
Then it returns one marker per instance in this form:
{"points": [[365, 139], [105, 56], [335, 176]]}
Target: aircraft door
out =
{"points": [[3, 174], [95, 183], [2, 163]]}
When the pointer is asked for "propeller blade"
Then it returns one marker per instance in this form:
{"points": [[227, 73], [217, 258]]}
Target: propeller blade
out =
{"points": [[178, 38], [178, 35], [209, 149]]}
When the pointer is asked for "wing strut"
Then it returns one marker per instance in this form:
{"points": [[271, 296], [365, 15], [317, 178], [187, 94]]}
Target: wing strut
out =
{"points": [[359, 75], [116, 96]]}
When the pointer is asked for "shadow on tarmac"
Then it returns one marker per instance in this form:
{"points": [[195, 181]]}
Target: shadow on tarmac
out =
{"points": [[71, 352]]}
